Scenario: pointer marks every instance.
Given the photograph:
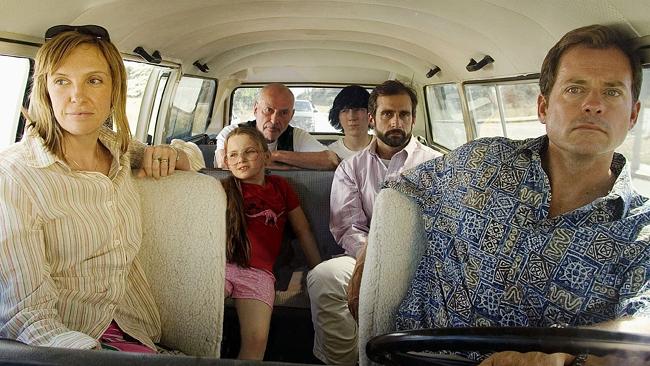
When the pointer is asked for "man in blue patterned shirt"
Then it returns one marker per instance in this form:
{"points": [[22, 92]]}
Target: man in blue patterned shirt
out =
{"points": [[547, 230]]}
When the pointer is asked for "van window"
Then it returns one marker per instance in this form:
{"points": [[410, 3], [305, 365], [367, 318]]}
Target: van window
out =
{"points": [[14, 73], [506, 109], [445, 115], [312, 105], [137, 74], [192, 107], [635, 147], [160, 89], [303, 106], [305, 115]]}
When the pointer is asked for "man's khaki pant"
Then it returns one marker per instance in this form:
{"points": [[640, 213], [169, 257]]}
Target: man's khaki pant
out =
{"points": [[335, 331]]}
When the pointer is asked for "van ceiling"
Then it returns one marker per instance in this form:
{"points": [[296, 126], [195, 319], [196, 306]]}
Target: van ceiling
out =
{"points": [[333, 41]]}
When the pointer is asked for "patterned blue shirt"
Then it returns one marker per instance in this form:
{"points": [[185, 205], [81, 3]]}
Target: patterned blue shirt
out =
{"points": [[495, 258]]}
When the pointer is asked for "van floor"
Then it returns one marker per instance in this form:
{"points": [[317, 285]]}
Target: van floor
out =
{"points": [[291, 336]]}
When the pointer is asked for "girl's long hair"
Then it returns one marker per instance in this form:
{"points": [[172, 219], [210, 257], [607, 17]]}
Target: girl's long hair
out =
{"points": [[238, 247]]}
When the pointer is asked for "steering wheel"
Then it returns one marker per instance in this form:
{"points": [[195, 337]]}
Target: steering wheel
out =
{"points": [[397, 348]]}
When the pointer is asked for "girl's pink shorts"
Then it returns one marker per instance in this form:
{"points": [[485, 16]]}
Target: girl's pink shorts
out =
{"points": [[250, 283]]}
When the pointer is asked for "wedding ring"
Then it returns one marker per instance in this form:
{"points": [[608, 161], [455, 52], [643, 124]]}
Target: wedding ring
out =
{"points": [[164, 160]]}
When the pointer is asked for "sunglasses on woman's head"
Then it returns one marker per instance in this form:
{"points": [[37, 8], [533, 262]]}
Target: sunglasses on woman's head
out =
{"points": [[93, 30]]}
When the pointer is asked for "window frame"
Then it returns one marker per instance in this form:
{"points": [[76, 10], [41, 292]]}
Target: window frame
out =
{"points": [[163, 134], [470, 125], [521, 79], [429, 125]]}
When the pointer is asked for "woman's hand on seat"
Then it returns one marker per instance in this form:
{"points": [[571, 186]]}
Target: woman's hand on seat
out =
{"points": [[161, 161]]}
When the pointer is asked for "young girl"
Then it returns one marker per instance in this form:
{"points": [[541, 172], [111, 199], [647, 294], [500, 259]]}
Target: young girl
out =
{"points": [[259, 205]]}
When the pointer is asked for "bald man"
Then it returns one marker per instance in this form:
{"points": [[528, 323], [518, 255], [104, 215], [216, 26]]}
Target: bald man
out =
{"points": [[289, 146]]}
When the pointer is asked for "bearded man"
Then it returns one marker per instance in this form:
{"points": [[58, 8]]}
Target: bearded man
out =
{"points": [[357, 181]]}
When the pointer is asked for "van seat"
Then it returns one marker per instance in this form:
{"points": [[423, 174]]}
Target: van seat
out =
{"points": [[392, 257], [208, 154], [183, 256]]}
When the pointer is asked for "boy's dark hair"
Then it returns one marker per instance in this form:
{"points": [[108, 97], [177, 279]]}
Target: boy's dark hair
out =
{"points": [[352, 96], [391, 87], [238, 247], [593, 36]]}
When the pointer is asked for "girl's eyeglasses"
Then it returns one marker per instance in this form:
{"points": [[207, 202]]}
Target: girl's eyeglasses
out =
{"points": [[248, 155], [96, 31]]}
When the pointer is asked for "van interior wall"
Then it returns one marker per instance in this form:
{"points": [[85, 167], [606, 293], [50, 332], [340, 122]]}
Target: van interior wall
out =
{"points": [[220, 113]]}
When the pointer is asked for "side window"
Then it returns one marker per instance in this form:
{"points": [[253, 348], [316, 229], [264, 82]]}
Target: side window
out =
{"points": [[635, 147], [484, 110], [242, 103], [14, 73], [445, 115], [312, 106], [306, 115], [145, 88], [160, 88], [137, 74], [504, 109], [192, 108]]}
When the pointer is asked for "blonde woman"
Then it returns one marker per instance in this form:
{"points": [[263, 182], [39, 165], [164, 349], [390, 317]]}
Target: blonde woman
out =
{"points": [[69, 213]]}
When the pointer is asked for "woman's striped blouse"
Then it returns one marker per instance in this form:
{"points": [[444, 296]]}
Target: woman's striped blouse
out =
{"points": [[68, 247]]}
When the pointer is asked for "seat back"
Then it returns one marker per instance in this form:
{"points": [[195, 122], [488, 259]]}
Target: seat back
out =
{"points": [[183, 255], [396, 242], [208, 155]]}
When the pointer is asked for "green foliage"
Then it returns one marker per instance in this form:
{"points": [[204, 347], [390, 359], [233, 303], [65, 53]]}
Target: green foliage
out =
{"points": [[245, 98]]}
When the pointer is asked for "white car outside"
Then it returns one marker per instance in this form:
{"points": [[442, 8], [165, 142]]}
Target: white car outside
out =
{"points": [[305, 115]]}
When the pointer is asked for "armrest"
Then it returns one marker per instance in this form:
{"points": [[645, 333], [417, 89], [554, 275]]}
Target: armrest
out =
{"points": [[396, 242], [183, 255]]}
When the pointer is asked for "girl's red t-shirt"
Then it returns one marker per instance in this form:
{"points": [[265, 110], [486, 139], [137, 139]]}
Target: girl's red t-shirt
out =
{"points": [[266, 208]]}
